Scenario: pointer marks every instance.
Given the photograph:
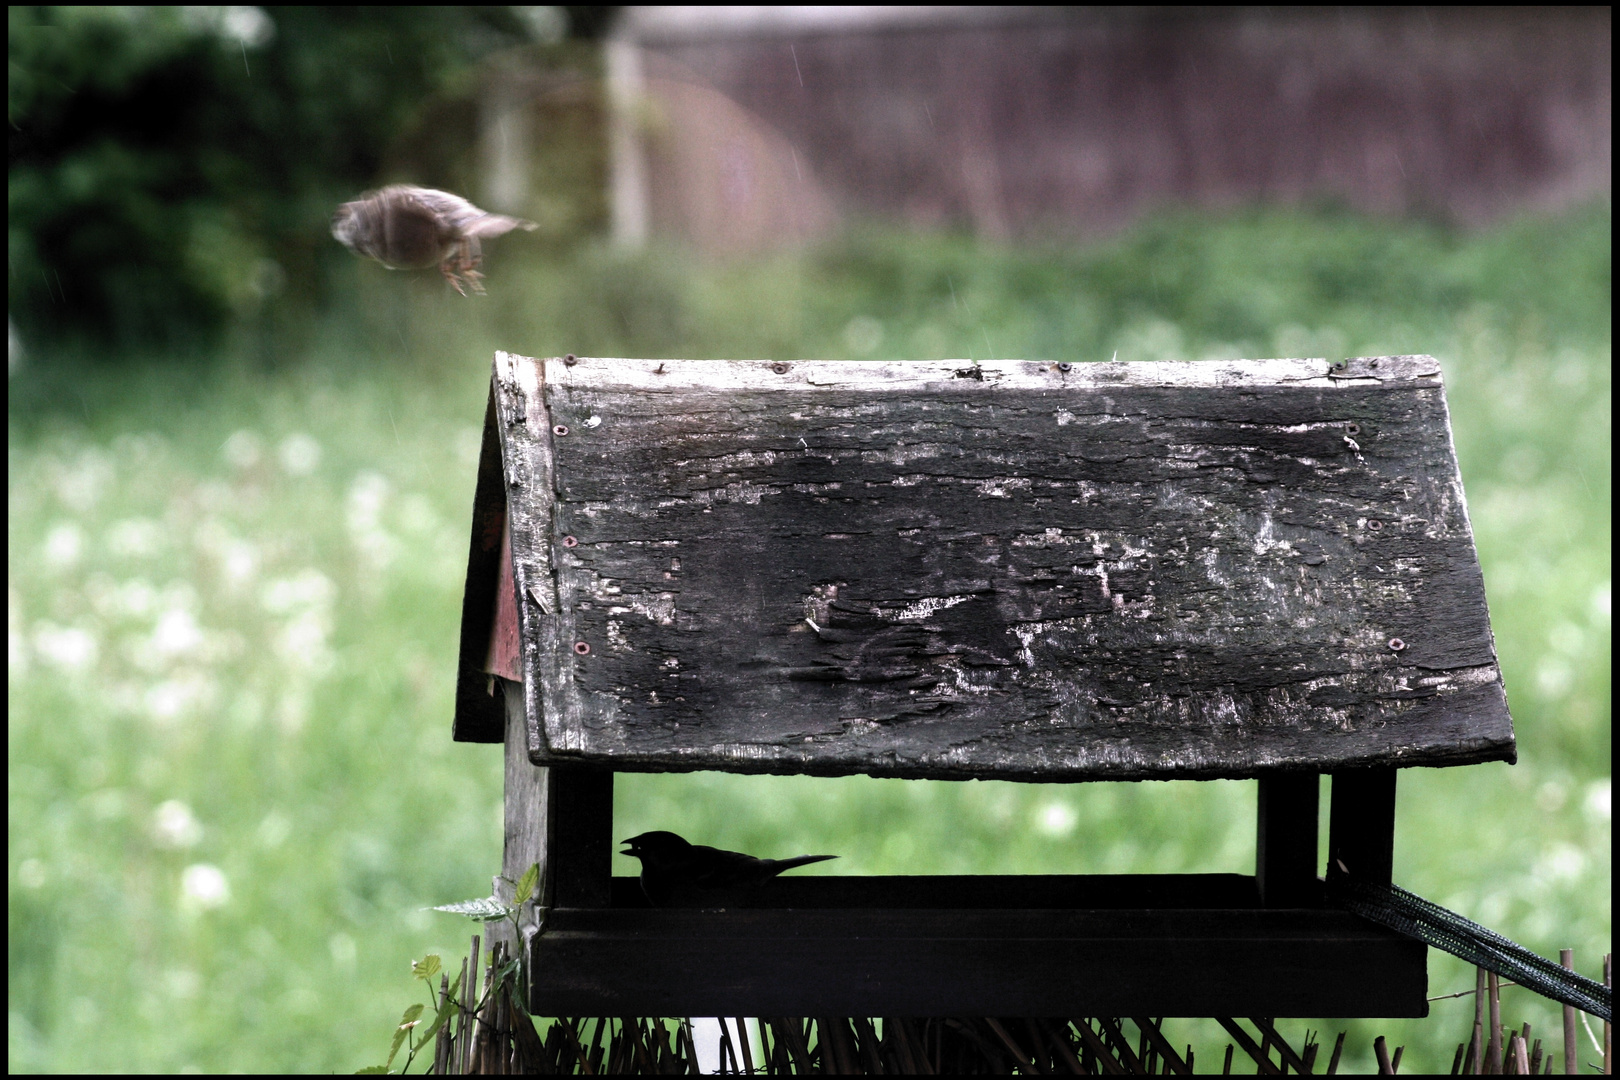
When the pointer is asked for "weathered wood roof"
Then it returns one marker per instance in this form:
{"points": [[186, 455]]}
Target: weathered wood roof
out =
{"points": [[1011, 570]]}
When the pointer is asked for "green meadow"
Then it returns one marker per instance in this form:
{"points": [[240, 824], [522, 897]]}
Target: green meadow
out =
{"points": [[234, 590]]}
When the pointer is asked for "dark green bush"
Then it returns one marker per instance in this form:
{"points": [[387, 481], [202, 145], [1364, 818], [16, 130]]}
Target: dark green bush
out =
{"points": [[173, 169]]}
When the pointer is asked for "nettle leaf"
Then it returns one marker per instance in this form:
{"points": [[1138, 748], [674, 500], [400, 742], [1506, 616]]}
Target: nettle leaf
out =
{"points": [[428, 966], [526, 884], [485, 909]]}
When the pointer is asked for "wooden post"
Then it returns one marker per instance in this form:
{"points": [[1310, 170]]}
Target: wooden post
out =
{"points": [[580, 838], [1285, 842], [1361, 824], [559, 817]]}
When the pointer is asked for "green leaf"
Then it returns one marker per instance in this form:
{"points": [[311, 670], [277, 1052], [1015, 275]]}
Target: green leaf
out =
{"points": [[439, 1021], [406, 1022], [372, 1070], [526, 884], [428, 967], [485, 909]]}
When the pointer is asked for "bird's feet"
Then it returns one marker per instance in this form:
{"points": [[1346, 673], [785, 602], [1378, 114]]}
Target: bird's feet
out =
{"points": [[462, 276]]}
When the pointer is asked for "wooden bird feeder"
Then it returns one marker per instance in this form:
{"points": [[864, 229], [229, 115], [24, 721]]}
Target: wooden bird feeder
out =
{"points": [[1015, 571]]}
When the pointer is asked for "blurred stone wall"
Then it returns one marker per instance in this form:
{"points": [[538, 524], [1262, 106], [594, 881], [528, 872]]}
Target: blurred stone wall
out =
{"points": [[745, 128]]}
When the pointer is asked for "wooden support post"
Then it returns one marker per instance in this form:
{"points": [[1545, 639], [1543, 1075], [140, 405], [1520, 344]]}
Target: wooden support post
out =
{"points": [[581, 837], [1285, 842], [559, 817], [1361, 824]]}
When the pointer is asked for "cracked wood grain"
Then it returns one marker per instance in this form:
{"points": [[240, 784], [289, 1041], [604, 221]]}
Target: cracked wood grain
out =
{"points": [[1113, 571]]}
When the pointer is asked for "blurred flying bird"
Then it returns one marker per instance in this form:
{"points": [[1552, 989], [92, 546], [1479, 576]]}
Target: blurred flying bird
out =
{"points": [[677, 873], [411, 228]]}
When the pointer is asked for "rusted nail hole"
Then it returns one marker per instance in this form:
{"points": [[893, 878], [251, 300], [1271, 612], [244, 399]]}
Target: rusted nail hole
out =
{"points": [[560, 429], [582, 648], [570, 359], [1374, 524], [780, 369], [1396, 644], [1354, 429], [1064, 367], [569, 541], [1337, 365]]}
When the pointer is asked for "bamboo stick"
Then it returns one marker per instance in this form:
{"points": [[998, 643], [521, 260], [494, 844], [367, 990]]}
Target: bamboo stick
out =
{"points": [[1065, 1052], [1024, 1061], [458, 1046], [1566, 957], [869, 1043], [1608, 1045], [1249, 1046], [1099, 1049], [470, 1023], [1116, 1039], [1290, 1059], [441, 1042], [1177, 1064], [742, 1042], [1333, 1062], [1493, 1051]]}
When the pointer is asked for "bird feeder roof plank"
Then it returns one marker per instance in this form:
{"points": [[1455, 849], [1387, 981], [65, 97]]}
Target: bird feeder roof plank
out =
{"points": [[1007, 570]]}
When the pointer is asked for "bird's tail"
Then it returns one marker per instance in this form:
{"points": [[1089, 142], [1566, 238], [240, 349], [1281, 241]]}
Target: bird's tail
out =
{"points": [[779, 865]]}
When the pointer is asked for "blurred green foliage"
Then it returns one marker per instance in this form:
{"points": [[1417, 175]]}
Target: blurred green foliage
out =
{"points": [[171, 170], [237, 537], [234, 595]]}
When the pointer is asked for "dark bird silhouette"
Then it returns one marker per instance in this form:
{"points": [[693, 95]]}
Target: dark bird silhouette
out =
{"points": [[675, 873], [411, 228]]}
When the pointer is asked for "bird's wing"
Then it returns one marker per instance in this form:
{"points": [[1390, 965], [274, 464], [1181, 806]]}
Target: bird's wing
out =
{"points": [[712, 868], [490, 225], [463, 217], [441, 203]]}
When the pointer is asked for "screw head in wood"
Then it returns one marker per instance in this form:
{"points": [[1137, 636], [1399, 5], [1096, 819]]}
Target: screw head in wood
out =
{"points": [[569, 541], [1396, 645], [780, 369], [582, 648], [560, 429], [1375, 525], [570, 359], [1353, 429], [1064, 367]]}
